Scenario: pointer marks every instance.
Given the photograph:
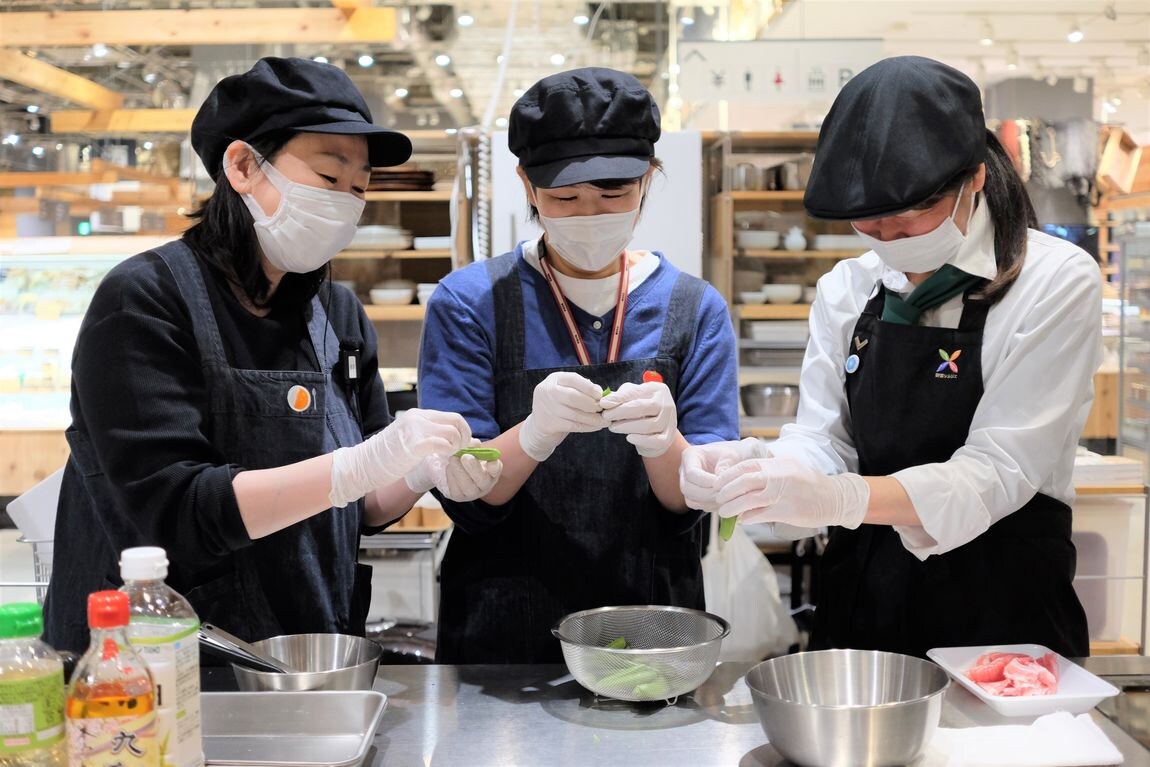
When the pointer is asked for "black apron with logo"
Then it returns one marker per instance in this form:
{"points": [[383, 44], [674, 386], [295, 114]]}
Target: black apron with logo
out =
{"points": [[585, 530], [912, 396], [302, 579]]}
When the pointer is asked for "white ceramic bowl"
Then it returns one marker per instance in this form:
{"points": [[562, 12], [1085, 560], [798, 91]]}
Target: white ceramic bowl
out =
{"points": [[757, 239], [752, 296], [391, 295], [783, 293]]}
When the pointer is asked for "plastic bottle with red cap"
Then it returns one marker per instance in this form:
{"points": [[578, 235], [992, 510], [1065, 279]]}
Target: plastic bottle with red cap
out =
{"points": [[111, 704], [31, 691]]}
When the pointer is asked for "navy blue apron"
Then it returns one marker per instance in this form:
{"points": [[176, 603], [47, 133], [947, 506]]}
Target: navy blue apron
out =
{"points": [[302, 579], [585, 530], [1010, 585]]}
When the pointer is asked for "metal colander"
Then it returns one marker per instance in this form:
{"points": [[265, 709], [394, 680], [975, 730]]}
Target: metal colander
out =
{"points": [[670, 650]]}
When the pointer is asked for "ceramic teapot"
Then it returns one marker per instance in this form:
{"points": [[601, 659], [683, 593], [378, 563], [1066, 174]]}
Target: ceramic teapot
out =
{"points": [[795, 239]]}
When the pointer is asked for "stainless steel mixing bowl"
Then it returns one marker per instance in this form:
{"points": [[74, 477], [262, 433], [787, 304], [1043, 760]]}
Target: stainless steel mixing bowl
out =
{"points": [[848, 708], [670, 650], [769, 399], [324, 662]]}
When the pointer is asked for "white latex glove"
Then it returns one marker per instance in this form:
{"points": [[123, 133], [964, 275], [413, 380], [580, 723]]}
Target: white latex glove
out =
{"points": [[389, 454], [645, 413], [459, 478], [785, 490], [562, 403], [702, 464]]}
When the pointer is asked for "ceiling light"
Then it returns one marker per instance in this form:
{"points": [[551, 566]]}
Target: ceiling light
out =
{"points": [[11, 139], [558, 59], [148, 145], [401, 93], [366, 60], [499, 59], [456, 93], [687, 19], [33, 108], [1075, 35], [59, 147], [1108, 107], [581, 19], [1012, 59], [443, 59], [320, 59], [38, 151], [518, 92], [99, 50], [451, 131], [987, 37], [501, 122], [465, 19], [1116, 100], [150, 77]]}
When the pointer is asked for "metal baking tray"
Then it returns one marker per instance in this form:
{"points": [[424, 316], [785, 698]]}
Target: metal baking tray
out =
{"points": [[290, 729]]}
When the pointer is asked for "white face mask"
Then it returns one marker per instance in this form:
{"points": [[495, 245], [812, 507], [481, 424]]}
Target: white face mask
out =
{"points": [[310, 225], [591, 243], [924, 252]]}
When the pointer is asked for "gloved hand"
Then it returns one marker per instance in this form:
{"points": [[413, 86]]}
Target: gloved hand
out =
{"points": [[702, 464], [645, 413], [389, 454], [459, 478], [785, 490], [563, 403]]}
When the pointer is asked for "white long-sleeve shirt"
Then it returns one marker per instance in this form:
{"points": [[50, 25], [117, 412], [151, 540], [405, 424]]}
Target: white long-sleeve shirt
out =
{"points": [[1041, 346]]}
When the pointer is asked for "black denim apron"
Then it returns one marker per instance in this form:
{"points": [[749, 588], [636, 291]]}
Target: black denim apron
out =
{"points": [[585, 530], [304, 578], [1012, 584]]}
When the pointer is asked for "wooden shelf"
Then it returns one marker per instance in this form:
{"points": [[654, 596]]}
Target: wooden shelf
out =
{"points": [[438, 195], [772, 311], [366, 254], [783, 255], [392, 313], [1109, 490], [789, 195]]}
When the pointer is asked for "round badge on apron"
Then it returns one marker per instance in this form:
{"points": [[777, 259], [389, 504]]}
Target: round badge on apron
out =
{"points": [[852, 363], [299, 398]]}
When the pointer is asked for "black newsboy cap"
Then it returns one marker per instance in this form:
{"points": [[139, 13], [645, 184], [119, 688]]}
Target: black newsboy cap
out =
{"points": [[289, 95], [898, 132], [584, 125]]}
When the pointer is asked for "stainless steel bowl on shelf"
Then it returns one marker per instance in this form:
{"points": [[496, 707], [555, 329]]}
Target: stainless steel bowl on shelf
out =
{"points": [[323, 662], [848, 708], [669, 651], [769, 399]]}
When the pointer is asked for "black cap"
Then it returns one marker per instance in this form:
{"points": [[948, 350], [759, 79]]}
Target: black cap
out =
{"points": [[294, 95], [584, 125], [897, 134]]}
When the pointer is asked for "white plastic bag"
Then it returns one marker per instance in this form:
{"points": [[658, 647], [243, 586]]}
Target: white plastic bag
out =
{"points": [[740, 585]]}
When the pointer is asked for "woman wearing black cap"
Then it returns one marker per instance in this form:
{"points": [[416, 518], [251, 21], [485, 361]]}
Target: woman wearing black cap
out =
{"points": [[222, 388], [946, 383], [588, 511]]}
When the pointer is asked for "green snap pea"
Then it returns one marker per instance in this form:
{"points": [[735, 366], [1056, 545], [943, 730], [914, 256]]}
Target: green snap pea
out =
{"points": [[606, 390], [480, 453], [618, 643], [653, 690], [727, 527], [630, 677]]}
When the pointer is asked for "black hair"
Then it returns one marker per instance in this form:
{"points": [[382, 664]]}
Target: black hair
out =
{"points": [[224, 236], [605, 183], [1011, 214]]}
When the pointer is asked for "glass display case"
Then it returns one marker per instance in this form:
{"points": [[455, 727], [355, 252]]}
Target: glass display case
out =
{"points": [[45, 287], [1133, 240]]}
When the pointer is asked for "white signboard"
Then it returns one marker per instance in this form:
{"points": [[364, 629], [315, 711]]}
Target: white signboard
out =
{"points": [[771, 70]]}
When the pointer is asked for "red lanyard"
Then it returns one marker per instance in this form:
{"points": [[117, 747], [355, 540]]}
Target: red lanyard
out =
{"points": [[569, 319]]}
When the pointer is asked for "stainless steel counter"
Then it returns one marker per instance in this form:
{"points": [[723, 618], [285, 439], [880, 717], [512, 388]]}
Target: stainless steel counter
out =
{"points": [[538, 715]]}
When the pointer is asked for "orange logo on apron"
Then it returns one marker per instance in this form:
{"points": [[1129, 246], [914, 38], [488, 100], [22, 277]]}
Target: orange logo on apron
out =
{"points": [[299, 398]]}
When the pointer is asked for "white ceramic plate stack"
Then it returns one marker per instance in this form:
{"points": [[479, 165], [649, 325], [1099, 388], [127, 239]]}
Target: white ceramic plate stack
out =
{"points": [[393, 292], [757, 239]]}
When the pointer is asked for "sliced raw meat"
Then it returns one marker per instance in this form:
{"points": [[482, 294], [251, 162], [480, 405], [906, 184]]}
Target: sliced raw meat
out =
{"points": [[1015, 674]]}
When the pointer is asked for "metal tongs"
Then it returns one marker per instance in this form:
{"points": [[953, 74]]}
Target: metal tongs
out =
{"points": [[239, 651]]}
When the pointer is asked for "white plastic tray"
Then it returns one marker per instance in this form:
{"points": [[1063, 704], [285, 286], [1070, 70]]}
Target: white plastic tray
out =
{"points": [[1078, 689]]}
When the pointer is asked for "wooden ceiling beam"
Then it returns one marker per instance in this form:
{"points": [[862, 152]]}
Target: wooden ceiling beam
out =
{"points": [[224, 26], [45, 78], [122, 121]]}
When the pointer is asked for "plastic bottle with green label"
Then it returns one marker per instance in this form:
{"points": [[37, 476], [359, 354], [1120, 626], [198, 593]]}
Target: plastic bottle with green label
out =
{"points": [[31, 691], [164, 630]]}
